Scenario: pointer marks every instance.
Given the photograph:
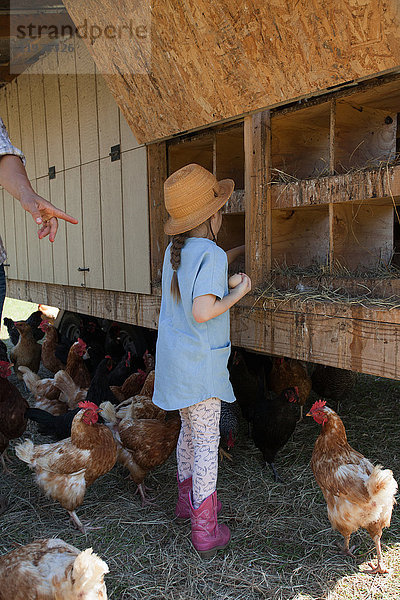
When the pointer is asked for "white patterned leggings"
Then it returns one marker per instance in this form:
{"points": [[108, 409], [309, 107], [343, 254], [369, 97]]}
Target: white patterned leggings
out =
{"points": [[197, 449]]}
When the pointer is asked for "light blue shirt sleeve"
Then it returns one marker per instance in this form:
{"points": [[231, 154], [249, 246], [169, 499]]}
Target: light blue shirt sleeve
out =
{"points": [[212, 274]]}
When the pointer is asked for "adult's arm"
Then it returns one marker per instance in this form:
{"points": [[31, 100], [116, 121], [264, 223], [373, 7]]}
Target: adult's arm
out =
{"points": [[14, 179]]}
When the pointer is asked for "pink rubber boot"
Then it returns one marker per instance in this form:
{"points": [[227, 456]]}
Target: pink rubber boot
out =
{"points": [[207, 535], [182, 510]]}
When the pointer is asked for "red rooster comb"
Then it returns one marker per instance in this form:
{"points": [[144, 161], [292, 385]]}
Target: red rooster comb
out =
{"points": [[318, 405], [5, 369], [88, 405], [82, 343]]}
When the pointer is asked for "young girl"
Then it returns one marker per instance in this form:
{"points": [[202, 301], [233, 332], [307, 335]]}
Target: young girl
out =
{"points": [[193, 344]]}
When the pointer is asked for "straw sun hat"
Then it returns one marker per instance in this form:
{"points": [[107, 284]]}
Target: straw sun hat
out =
{"points": [[192, 195]]}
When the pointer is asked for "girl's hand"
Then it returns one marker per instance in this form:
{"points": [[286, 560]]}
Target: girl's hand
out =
{"points": [[243, 287]]}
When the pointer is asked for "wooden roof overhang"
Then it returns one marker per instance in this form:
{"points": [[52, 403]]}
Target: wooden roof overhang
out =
{"points": [[177, 66]]}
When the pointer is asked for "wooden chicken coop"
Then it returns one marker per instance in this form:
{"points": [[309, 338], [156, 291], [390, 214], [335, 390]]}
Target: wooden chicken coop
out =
{"points": [[307, 125]]}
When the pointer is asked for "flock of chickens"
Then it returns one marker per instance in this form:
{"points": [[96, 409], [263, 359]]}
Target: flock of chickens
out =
{"points": [[98, 410]]}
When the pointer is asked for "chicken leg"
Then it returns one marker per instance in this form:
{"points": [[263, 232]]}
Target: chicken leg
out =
{"points": [[77, 523], [381, 567]]}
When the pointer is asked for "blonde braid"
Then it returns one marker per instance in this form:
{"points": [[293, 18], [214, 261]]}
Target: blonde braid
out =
{"points": [[178, 241]]}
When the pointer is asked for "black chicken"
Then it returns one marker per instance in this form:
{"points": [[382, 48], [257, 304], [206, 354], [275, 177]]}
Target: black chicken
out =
{"points": [[245, 368], [127, 365], [33, 320], [274, 420], [228, 427], [99, 390], [3, 351], [113, 345], [58, 427], [332, 383]]}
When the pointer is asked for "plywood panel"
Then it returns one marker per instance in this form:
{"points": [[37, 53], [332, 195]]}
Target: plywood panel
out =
{"points": [[46, 248], [362, 235], [214, 60], [14, 129], [112, 224], [39, 120], [26, 123], [53, 111], [108, 117], [69, 106], [135, 207], [33, 243], [60, 259], [21, 240], [128, 140], [73, 206], [3, 106], [87, 103], [9, 235], [300, 237], [92, 225]]}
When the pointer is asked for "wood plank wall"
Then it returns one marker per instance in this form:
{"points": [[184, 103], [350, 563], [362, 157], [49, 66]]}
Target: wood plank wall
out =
{"points": [[61, 114]]}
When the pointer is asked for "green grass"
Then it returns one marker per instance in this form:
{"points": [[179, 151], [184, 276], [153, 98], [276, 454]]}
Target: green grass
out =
{"points": [[15, 310]]}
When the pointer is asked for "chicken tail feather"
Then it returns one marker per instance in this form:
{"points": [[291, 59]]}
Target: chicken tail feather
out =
{"points": [[30, 378], [108, 412], [24, 451], [68, 387], [381, 484]]}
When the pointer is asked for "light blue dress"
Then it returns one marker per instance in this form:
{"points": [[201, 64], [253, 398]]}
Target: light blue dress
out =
{"points": [[191, 357]]}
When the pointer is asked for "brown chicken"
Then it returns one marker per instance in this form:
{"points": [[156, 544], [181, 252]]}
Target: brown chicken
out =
{"points": [[131, 386], [12, 411], [143, 444], [65, 469], [148, 386], [27, 351], [45, 393], [290, 373], [49, 345], [52, 570], [76, 367], [357, 493], [71, 394]]}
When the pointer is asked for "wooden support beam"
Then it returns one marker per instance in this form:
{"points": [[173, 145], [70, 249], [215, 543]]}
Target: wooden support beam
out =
{"points": [[258, 223], [345, 335], [332, 131], [157, 174]]}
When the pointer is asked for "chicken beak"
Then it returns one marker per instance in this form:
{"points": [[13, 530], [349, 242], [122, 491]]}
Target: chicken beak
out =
{"points": [[308, 414]]}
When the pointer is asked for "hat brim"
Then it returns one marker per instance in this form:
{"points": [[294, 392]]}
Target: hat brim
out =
{"points": [[175, 226]]}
